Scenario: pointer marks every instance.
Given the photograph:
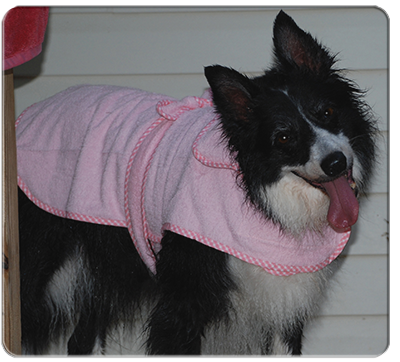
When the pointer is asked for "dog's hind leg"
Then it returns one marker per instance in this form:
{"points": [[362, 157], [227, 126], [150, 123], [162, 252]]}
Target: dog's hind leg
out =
{"points": [[194, 283], [44, 317]]}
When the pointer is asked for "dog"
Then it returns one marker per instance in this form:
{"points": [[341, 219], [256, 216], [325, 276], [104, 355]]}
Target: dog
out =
{"points": [[278, 165]]}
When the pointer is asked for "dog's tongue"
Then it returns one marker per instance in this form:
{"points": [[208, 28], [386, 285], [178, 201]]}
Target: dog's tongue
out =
{"points": [[343, 209]]}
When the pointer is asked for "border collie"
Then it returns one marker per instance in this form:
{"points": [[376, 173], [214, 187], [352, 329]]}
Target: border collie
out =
{"points": [[208, 225]]}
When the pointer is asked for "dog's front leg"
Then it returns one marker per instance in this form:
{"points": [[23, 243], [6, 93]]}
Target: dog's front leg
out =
{"points": [[293, 337], [287, 341], [193, 284]]}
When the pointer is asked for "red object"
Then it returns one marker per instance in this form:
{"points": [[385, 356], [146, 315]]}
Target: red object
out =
{"points": [[24, 29]]}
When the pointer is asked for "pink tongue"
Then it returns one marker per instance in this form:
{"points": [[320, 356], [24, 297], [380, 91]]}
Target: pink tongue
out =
{"points": [[343, 209]]}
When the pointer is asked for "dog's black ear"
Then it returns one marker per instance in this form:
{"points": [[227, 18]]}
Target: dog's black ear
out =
{"points": [[296, 48], [233, 93]]}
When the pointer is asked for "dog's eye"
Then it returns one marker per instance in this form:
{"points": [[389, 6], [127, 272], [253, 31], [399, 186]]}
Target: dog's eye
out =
{"points": [[328, 113], [283, 138]]}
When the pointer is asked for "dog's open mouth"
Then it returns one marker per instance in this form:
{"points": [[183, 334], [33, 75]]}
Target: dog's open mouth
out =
{"points": [[342, 191]]}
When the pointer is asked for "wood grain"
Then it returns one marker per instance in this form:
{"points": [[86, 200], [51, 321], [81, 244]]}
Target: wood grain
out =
{"points": [[11, 283]]}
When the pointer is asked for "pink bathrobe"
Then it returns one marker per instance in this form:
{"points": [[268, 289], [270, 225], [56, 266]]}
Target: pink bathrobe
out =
{"points": [[150, 163]]}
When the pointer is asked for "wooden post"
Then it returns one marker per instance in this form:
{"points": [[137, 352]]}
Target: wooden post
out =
{"points": [[11, 281]]}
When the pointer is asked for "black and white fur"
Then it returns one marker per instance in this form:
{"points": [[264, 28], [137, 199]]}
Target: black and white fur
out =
{"points": [[86, 291]]}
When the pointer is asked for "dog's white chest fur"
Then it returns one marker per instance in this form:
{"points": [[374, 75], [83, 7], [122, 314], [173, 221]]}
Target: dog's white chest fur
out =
{"points": [[263, 299]]}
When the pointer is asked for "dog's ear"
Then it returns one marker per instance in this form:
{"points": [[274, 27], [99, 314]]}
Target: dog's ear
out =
{"points": [[296, 48], [233, 93]]}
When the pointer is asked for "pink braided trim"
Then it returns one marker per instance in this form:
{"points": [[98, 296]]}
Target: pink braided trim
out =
{"points": [[23, 113], [149, 236], [272, 268], [204, 160], [201, 102], [67, 214], [127, 175]]}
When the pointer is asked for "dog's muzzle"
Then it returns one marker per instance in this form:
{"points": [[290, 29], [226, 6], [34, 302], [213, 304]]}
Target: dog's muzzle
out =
{"points": [[339, 185]]}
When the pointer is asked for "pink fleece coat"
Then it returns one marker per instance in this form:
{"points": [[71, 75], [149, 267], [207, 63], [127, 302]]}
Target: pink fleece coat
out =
{"points": [[150, 163]]}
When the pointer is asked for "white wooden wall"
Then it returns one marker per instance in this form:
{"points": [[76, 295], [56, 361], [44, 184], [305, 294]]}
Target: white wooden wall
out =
{"points": [[165, 49]]}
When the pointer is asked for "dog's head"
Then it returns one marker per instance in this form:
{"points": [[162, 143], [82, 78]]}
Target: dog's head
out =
{"points": [[300, 133]]}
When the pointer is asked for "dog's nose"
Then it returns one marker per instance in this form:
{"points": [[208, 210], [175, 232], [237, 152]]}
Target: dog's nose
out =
{"points": [[334, 164]]}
